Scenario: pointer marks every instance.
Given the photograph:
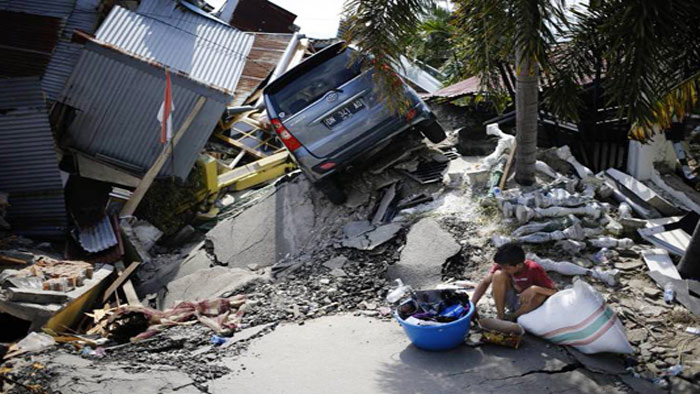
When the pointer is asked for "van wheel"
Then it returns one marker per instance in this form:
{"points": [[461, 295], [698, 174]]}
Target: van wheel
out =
{"points": [[432, 130], [331, 189]]}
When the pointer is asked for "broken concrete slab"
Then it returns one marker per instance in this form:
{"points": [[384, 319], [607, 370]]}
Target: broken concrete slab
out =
{"points": [[197, 260], [247, 333], [379, 352], [389, 195], [208, 283], [266, 232], [372, 239], [427, 248], [74, 376], [359, 227], [641, 386], [607, 363]]}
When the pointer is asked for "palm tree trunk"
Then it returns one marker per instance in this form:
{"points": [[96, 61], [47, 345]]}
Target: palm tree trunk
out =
{"points": [[690, 263], [526, 120]]}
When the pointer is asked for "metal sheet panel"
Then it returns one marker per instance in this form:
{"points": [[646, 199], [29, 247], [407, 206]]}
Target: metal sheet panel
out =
{"points": [[117, 97], [26, 43], [29, 169], [98, 237], [84, 17], [207, 51], [56, 8]]}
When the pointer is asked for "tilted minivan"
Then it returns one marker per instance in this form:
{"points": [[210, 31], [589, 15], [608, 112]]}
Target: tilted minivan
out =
{"points": [[328, 114]]}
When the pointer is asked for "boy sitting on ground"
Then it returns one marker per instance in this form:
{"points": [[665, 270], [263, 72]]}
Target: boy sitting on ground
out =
{"points": [[519, 285]]}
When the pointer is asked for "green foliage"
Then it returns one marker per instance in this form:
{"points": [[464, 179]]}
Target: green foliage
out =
{"points": [[648, 53], [379, 28]]}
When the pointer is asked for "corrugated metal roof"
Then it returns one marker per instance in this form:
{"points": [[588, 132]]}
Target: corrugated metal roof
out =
{"points": [[98, 237], [84, 17], [459, 89], [26, 43], [207, 51], [117, 97], [56, 8], [266, 52], [29, 169], [59, 68]]}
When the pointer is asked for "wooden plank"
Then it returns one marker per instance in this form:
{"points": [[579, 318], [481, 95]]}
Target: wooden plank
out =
{"points": [[15, 258], [257, 166], [145, 183], [252, 122], [121, 280], [36, 296], [128, 288], [239, 145], [509, 164], [93, 169]]}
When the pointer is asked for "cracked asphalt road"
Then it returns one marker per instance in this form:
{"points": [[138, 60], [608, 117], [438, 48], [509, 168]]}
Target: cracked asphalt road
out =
{"points": [[374, 356]]}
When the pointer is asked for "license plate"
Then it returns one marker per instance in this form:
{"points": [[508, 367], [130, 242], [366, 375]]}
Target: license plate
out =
{"points": [[343, 113]]}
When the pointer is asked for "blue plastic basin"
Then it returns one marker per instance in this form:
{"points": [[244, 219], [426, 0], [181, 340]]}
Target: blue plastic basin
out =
{"points": [[443, 337]]}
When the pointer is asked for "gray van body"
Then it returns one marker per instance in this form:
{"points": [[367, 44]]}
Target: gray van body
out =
{"points": [[334, 111]]}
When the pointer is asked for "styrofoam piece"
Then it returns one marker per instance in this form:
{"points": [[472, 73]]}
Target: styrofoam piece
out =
{"points": [[659, 260], [643, 192], [677, 194], [675, 241]]}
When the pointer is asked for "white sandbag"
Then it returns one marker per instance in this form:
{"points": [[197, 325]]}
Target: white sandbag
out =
{"points": [[578, 317]]}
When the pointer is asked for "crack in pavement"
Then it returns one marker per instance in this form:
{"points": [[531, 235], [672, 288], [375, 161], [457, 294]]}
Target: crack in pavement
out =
{"points": [[565, 369]]}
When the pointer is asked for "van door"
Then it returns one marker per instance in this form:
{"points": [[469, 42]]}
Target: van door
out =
{"points": [[330, 106]]}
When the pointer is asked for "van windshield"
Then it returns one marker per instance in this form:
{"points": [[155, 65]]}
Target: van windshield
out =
{"points": [[314, 83]]}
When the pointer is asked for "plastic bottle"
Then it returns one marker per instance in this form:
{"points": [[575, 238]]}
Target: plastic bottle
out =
{"points": [[398, 293], [601, 256], [669, 293]]}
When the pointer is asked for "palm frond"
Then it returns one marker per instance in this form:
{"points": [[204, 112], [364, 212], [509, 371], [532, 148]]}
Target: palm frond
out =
{"points": [[379, 28]]}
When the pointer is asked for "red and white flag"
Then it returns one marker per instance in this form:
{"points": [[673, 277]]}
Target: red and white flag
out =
{"points": [[165, 113]]}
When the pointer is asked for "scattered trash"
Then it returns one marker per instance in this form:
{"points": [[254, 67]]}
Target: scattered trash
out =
{"points": [[501, 332], [33, 343]]}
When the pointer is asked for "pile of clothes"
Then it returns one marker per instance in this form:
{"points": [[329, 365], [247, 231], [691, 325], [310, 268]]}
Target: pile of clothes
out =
{"points": [[434, 307]]}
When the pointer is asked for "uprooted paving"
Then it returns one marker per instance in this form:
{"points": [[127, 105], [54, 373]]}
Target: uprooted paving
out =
{"points": [[314, 318]]}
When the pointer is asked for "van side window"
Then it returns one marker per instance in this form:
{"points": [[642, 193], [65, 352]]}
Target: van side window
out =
{"points": [[315, 83]]}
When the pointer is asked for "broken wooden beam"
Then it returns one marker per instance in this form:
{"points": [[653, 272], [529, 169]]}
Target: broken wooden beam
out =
{"points": [[123, 282]]}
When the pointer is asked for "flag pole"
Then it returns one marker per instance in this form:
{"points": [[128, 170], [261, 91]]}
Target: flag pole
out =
{"points": [[131, 205]]}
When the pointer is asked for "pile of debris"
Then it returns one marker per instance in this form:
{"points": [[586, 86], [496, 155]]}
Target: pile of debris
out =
{"points": [[583, 224]]}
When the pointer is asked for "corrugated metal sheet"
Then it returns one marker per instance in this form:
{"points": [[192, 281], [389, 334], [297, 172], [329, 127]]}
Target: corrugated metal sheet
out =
{"points": [[207, 51], [26, 43], [266, 52], [98, 237], [117, 97], [84, 17], [29, 168], [459, 89], [59, 68], [56, 8]]}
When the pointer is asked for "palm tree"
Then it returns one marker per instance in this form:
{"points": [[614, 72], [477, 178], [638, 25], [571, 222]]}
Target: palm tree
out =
{"points": [[500, 29], [647, 51]]}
